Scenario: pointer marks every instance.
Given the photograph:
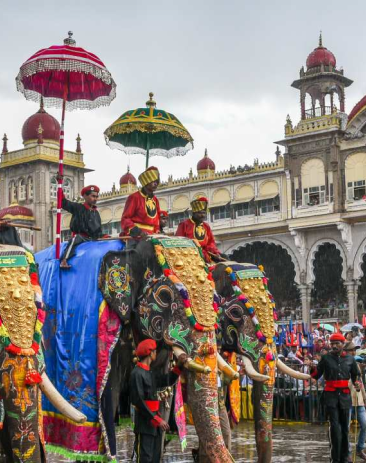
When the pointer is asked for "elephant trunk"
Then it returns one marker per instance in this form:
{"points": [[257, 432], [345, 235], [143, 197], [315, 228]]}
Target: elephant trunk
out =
{"points": [[59, 402], [202, 398], [289, 371]]}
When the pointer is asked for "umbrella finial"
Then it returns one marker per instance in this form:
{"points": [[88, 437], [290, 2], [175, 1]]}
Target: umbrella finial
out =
{"points": [[70, 41], [151, 103], [41, 106]]}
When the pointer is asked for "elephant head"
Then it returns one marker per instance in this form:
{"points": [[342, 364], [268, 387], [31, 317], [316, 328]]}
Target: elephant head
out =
{"points": [[168, 295], [247, 327]]}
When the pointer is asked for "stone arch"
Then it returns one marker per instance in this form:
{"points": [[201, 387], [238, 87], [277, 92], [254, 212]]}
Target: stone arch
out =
{"points": [[163, 204], [105, 215], [200, 194], [268, 189], [220, 197], [118, 212], [244, 193], [311, 257], [312, 173], [358, 260], [355, 172], [277, 242], [180, 203]]}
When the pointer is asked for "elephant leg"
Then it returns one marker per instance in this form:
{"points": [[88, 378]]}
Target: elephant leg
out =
{"points": [[21, 409], [263, 406]]}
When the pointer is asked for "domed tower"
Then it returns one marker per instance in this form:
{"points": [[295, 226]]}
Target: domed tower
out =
{"points": [[127, 182], [28, 175], [321, 82], [206, 167]]}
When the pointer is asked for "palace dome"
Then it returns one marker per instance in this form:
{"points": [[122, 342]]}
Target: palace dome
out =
{"points": [[50, 126], [206, 163], [127, 178], [16, 212], [319, 56]]}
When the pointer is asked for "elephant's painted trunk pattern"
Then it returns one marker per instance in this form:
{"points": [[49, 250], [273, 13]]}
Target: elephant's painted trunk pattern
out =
{"points": [[263, 412], [202, 399]]}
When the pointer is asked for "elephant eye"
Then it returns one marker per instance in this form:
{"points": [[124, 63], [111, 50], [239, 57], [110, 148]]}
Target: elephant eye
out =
{"points": [[163, 296], [234, 312]]}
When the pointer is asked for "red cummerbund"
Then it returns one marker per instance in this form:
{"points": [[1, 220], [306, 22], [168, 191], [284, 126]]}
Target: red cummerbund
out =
{"points": [[152, 405], [331, 386]]}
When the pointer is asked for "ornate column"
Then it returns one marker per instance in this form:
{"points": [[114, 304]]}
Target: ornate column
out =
{"points": [[350, 287], [305, 292]]}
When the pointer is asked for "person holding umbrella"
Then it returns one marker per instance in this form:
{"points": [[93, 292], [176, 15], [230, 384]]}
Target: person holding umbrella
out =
{"points": [[85, 222], [141, 215]]}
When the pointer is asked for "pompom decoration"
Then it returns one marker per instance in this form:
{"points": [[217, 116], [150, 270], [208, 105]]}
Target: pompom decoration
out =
{"points": [[182, 289]]}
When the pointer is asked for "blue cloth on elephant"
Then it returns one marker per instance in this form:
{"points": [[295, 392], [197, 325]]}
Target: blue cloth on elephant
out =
{"points": [[71, 332]]}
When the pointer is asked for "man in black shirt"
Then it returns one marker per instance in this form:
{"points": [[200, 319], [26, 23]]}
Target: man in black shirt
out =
{"points": [[338, 368], [85, 222], [143, 393]]}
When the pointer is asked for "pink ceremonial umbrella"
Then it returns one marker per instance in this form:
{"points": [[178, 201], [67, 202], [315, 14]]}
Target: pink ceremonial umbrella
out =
{"points": [[70, 77]]}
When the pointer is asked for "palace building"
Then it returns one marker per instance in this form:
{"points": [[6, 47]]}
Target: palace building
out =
{"points": [[301, 216]]}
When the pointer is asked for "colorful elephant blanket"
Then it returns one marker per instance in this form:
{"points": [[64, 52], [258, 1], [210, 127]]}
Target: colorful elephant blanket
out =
{"points": [[79, 335]]}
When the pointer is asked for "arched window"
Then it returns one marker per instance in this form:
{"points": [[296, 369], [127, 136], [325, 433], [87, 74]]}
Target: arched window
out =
{"points": [[30, 188], [53, 188], [313, 182], [22, 190], [67, 187]]}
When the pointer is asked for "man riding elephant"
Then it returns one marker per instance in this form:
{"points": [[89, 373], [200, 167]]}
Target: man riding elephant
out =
{"points": [[141, 215], [196, 228]]}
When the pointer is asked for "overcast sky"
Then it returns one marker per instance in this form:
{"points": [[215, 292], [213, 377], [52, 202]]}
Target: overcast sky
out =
{"points": [[224, 68]]}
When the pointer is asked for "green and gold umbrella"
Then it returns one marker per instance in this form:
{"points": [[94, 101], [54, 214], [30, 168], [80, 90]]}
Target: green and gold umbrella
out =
{"points": [[149, 131]]}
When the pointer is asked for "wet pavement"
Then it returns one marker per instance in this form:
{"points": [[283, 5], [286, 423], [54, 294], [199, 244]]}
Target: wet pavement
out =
{"points": [[292, 443]]}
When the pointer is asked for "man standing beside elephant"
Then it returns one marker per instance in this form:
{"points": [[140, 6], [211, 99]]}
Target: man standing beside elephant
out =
{"points": [[141, 215], [195, 228], [338, 368], [143, 390]]}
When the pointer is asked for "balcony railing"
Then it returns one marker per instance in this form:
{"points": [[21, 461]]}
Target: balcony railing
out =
{"points": [[318, 111]]}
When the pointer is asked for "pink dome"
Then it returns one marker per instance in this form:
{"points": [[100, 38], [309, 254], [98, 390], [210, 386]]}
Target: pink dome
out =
{"points": [[50, 126], [206, 163], [127, 178]]}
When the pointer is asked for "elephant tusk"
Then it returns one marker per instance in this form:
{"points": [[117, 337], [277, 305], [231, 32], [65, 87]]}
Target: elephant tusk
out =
{"points": [[252, 373], [226, 368], [59, 402], [190, 364], [289, 371]]}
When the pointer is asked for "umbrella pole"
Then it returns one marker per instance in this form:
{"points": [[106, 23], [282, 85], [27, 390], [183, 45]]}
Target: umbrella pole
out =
{"points": [[60, 181], [147, 151]]}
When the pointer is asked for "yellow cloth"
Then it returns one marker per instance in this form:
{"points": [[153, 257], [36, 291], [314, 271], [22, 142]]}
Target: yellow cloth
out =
{"points": [[246, 404]]}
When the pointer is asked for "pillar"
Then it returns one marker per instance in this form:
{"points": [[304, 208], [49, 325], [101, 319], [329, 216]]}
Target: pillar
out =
{"points": [[305, 292], [352, 310]]}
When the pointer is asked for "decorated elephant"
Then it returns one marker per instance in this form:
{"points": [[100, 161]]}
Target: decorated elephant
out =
{"points": [[163, 287], [22, 370], [247, 327]]}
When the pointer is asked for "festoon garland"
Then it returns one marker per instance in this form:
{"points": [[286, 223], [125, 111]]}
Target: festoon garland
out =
{"points": [[169, 273], [244, 299], [32, 375]]}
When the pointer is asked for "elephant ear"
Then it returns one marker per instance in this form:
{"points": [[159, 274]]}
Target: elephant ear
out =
{"points": [[119, 281]]}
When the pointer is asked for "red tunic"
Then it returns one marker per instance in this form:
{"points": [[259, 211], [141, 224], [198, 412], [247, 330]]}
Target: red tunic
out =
{"points": [[202, 233], [141, 211]]}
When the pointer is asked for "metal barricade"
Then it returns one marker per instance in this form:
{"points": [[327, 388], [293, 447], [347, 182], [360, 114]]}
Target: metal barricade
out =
{"points": [[293, 399]]}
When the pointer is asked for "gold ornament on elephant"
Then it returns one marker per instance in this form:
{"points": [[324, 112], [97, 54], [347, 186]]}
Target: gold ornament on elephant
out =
{"points": [[17, 307], [189, 267], [258, 296]]}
